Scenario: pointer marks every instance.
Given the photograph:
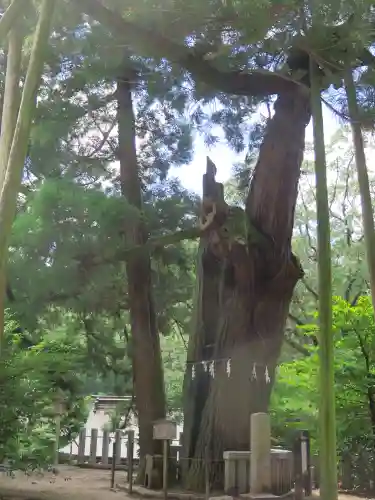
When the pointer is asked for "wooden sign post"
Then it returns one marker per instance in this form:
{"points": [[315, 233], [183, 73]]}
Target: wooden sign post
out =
{"points": [[165, 430], [59, 410], [306, 462], [130, 450], [113, 465]]}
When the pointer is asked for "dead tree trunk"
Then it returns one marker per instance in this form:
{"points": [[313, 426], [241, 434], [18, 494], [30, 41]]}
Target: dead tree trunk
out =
{"points": [[146, 356], [243, 298]]}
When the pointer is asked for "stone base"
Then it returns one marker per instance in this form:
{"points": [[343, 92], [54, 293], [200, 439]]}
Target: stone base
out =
{"points": [[266, 496], [237, 466], [224, 497], [259, 496]]}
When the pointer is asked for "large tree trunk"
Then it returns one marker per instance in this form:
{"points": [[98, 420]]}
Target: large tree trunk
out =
{"points": [[242, 304], [146, 356]]}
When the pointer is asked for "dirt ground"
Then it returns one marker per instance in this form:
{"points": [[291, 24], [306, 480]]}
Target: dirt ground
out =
{"points": [[72, 483]]}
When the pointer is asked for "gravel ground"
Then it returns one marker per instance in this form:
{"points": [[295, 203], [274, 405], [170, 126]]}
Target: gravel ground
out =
{"points": [[71, 482], [74, 483]]}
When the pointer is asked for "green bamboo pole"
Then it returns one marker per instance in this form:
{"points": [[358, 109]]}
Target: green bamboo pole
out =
{"points": [[13, 176], [11, 99], [328, 458], [10, 16], [8, 122], [363, 180]]}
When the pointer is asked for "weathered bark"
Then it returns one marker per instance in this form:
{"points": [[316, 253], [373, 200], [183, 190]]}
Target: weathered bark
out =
{"points": [[243, 302], [146, 356]]}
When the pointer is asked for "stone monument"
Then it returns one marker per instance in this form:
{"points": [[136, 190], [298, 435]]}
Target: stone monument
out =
{"points": [[260, 446]]}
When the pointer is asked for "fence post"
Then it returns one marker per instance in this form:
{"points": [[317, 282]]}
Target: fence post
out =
{"points": [[345, 475], [165, 469], [306, 462], [118, 437], [316, 477], [93, 446], [363, 471], [130, 451], [82, 446], [105, 447], [57, 438], [183, 461], [207, 473], [297, 466], [113, 468]]}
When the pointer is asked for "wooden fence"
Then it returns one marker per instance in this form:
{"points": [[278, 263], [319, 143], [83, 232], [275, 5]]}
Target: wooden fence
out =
{"points": [[356, 472], [356, 469], [95, 449]]}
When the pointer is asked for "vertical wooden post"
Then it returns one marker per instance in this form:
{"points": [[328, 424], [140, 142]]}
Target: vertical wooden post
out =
{"points": [[58, 412], [82, 446], [93, 446], [165, 469], [179, 457], [118, 446], [207, 473], [346, 471], [173, 451], [130, 451], [362, 475], [316, 466], [181, 441], [113, 468], [306, 462], [297, 459], [105, 447], [57, 438]]}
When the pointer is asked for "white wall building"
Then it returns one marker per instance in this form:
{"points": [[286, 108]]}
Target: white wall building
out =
{"points": [[99, 418]]}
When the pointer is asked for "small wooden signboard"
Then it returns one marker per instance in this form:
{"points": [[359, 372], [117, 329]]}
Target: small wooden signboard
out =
{"points": [[165, 430]]}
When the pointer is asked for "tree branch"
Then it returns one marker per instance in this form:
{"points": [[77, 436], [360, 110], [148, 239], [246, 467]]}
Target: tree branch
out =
{"points": [[151, 43], [301, 323], [298, 347], [105, 137], [356, 297], [364, 351], [310, 289], [307, 230], [180, 332], [296, 320]]}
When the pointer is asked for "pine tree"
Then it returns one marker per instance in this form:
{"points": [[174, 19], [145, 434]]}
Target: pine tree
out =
{"points": [[73, 232]]}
